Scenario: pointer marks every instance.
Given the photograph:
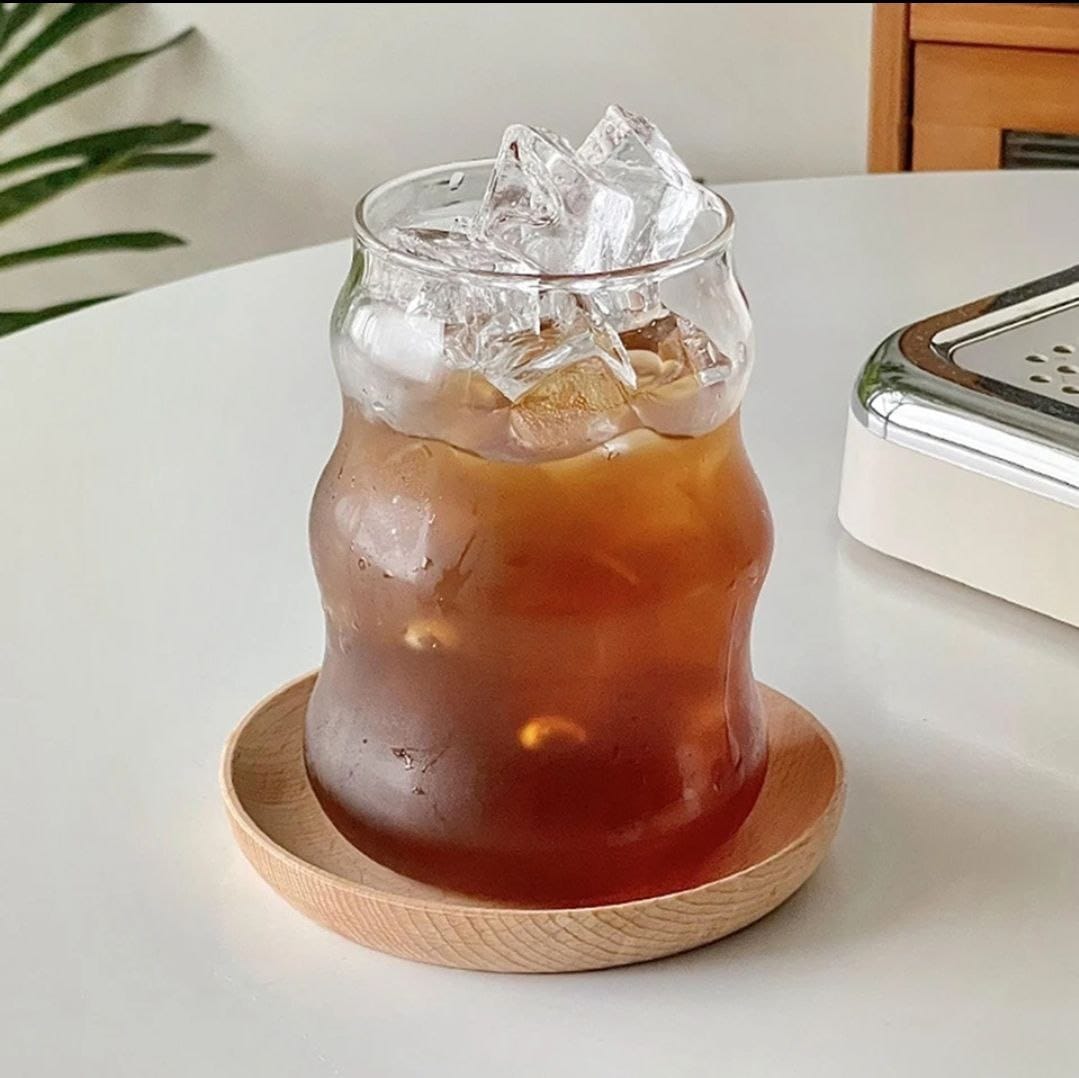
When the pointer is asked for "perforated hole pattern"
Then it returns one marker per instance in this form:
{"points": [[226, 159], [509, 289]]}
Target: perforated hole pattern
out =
{"points": [[1039, 355], [1066, 386]]}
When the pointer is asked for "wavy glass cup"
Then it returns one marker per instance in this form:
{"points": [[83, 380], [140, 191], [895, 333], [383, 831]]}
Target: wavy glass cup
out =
{"points": [[538, 585]]}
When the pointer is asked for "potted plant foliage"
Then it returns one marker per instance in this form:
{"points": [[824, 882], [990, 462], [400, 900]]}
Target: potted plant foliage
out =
{"points": [[30, 179]]}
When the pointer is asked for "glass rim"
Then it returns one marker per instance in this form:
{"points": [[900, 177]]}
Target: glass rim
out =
{"points": [[685, 260]]}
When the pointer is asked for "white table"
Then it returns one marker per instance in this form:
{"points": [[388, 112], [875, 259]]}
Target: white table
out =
{"points": [[156, 459]]}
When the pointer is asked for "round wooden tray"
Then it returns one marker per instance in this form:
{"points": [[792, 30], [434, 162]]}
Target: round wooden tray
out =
{"points": [[294, 847]]}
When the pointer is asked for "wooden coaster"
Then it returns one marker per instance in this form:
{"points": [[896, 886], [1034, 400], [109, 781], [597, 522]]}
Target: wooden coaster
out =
{"points": [[284, 833]]}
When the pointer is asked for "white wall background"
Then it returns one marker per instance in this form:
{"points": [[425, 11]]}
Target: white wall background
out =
{"points": [[313, 103]]}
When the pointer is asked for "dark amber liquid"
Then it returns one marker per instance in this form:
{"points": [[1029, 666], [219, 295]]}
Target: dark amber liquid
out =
{"points": [[537, 681]]}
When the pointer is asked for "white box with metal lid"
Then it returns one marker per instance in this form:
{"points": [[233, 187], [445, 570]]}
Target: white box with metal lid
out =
{"points": [[962, 451]]}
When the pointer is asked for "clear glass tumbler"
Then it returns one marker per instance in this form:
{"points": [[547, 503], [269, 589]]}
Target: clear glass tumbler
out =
{"points": [[539, 552]]}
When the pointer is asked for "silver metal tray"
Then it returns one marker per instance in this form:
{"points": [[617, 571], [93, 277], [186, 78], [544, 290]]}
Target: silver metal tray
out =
{"points": [[992, 386]]}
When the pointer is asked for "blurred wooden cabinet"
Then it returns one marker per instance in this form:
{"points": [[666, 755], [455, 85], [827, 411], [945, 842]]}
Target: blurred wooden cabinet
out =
{"points": [[961, 86]]}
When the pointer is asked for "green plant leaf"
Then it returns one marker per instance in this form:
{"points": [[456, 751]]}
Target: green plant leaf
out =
{"points": [[85, 158], [164, 160], [110, 241], [81, 80], [14, 17], [22, 197], [146, 136], [73, 18], [13, 320]]}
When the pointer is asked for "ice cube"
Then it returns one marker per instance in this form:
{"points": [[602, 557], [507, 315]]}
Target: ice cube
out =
{"points": [[628, 305], [404, 344], [629, 152], [682, 347], [462, 313], [515, 362], [611, 349], [683, 377], [702, 354], [551, 208], [572, 409], [456, 249], [436, 295], [647, 364], [388, 359], [654, 335]]}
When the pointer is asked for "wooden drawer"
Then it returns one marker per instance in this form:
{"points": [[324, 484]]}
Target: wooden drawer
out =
{"points": [[1018, 26], [948, 81], [966, 97]]}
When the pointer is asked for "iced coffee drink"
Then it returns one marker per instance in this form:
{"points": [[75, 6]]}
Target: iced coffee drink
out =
{"points": [[539, 540]]}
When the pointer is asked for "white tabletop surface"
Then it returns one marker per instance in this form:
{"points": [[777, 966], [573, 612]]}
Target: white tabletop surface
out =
{"points": [[156, 459]]}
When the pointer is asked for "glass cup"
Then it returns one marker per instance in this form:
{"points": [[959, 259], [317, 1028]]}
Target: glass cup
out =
{"points": [[538, 567]]}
